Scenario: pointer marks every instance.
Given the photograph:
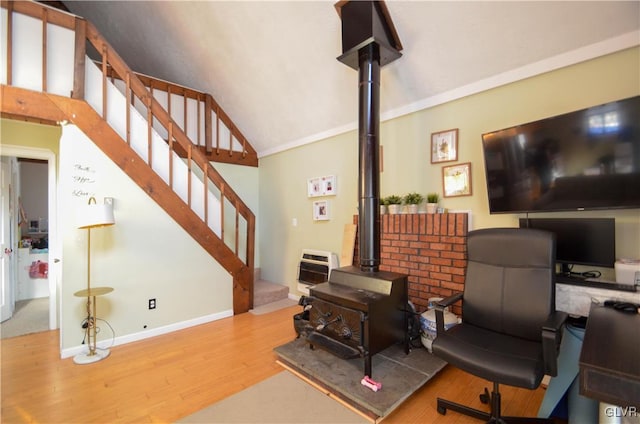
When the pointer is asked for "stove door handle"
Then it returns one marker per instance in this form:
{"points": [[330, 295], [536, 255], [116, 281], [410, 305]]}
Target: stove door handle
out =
{"points": [[324, 324]]}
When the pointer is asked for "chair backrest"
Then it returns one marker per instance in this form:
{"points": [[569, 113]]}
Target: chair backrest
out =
{"points": [[509, 285]]}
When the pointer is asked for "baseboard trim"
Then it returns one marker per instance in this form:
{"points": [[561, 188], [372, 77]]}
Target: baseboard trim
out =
{"points": [[153, 332]]}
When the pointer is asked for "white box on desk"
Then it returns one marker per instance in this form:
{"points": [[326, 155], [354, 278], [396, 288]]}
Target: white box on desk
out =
{"points": [[628, 272]]}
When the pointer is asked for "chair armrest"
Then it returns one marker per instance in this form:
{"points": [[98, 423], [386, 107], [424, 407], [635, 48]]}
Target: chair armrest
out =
{"points": [[440, 310], [551, 338]]}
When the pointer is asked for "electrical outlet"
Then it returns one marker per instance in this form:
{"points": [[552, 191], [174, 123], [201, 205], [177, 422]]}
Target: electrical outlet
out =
{"points": [[152, 304]]}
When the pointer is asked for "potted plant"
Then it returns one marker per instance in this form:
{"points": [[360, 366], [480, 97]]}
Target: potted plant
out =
{"points": [[383, 205], [412, 200], [393, 203], [432, 202]]}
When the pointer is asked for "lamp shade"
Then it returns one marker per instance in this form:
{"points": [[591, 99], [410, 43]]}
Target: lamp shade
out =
{"points": [[94, 215]]}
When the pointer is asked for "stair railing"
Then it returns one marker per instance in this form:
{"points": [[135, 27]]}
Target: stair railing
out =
{"points": [[193, 178], [213, 130]]}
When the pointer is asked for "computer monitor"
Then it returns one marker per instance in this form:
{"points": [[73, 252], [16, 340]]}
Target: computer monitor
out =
{"points": [[579, 241]]}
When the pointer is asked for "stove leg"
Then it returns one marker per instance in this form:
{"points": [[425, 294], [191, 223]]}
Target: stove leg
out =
{"points": [[367, 365]]}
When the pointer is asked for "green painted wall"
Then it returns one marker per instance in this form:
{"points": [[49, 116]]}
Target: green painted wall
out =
{"points": [[407, 167]]}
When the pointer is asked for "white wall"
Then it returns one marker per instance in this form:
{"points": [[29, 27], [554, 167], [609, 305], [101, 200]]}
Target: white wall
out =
{"points": [[144, 255]]}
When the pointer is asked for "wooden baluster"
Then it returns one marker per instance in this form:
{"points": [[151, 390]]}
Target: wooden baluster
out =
{"points": [[189, 158], [208, 130], [171, 155], [80, 58], [129, 105], [149, 125], [206, 193], [244, 147], [231, 141], [217, 130], [44, 50], [198, 121], [237, 244], [169, 102], [104, 81], [9, 30], [184, 119], [222, 186]]}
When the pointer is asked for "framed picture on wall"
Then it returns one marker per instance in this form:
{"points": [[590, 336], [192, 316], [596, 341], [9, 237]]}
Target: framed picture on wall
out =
{"points": [[444, 146], [456, 180], [321, 210], [321, 186]]}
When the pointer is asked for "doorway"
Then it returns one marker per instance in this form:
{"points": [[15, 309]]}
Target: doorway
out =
{"points": [[48, 223]]}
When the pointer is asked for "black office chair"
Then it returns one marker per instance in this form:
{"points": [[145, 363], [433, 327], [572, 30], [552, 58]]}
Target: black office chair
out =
{"points": [[510, 332]]}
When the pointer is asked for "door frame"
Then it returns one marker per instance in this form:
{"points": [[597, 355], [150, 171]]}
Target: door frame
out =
{"points": [[55, 248]]}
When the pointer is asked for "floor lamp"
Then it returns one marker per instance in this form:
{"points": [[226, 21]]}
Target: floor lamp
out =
{"points": [[91, 216]]}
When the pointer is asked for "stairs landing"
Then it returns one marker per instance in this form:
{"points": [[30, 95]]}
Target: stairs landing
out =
{"points": [[266, 292]]}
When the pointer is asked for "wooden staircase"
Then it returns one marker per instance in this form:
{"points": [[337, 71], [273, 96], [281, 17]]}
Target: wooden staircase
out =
{"points": [[119, 112]]}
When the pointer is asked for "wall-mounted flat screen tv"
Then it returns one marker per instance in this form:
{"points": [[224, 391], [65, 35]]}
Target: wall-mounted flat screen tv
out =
{"points": [[587, 159]]}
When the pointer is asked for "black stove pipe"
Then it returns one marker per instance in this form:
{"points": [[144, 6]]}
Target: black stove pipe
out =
{"points": [[369, 159]]}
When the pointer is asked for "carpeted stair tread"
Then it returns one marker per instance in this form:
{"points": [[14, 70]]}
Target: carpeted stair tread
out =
{"points": [[266, 292]]}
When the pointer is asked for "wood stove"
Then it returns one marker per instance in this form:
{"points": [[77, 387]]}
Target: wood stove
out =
{"points": [[358, 314], [361, 311]]}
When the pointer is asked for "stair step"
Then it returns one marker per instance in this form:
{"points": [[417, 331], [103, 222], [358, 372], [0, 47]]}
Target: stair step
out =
{"points": [[266, 292]]}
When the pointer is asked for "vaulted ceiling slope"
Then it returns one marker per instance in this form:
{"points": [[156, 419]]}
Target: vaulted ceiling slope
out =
{"points": [[272, 64]]}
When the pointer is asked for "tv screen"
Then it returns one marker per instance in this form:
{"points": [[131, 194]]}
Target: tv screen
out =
{"points": [[588, 159], [579, 241]]}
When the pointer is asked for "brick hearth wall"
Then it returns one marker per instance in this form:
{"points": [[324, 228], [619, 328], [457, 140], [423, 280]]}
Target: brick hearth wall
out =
{"points": [[430, 248]]}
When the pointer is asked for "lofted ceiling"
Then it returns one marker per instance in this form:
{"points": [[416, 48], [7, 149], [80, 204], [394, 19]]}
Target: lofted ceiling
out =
{"points": [[272, 64]]}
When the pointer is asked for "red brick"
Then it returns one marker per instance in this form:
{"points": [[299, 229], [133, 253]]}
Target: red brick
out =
{"points": [[419, 245], [441, 261], [452, 286], [420, 259], [441, 246], [441, 276], [454, 255], [452, 270], [409, 251]]}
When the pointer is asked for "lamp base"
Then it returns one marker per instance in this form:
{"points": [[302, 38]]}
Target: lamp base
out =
{"points": [[85, 358]]}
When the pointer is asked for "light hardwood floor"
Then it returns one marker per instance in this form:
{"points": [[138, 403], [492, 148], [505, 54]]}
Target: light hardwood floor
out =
{"points": [[168, 377]]}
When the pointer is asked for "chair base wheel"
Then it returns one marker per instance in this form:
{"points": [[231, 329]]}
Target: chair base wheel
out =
{"points": [[442, 411], [485, 397]]}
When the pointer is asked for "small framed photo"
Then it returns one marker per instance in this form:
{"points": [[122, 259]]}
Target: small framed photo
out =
{"points": [[321, 186], [444, 146], [456, 180], [321, 210], [314, 189]]}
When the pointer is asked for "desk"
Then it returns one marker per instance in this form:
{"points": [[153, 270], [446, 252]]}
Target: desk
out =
{"points": [[610, 357]]}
